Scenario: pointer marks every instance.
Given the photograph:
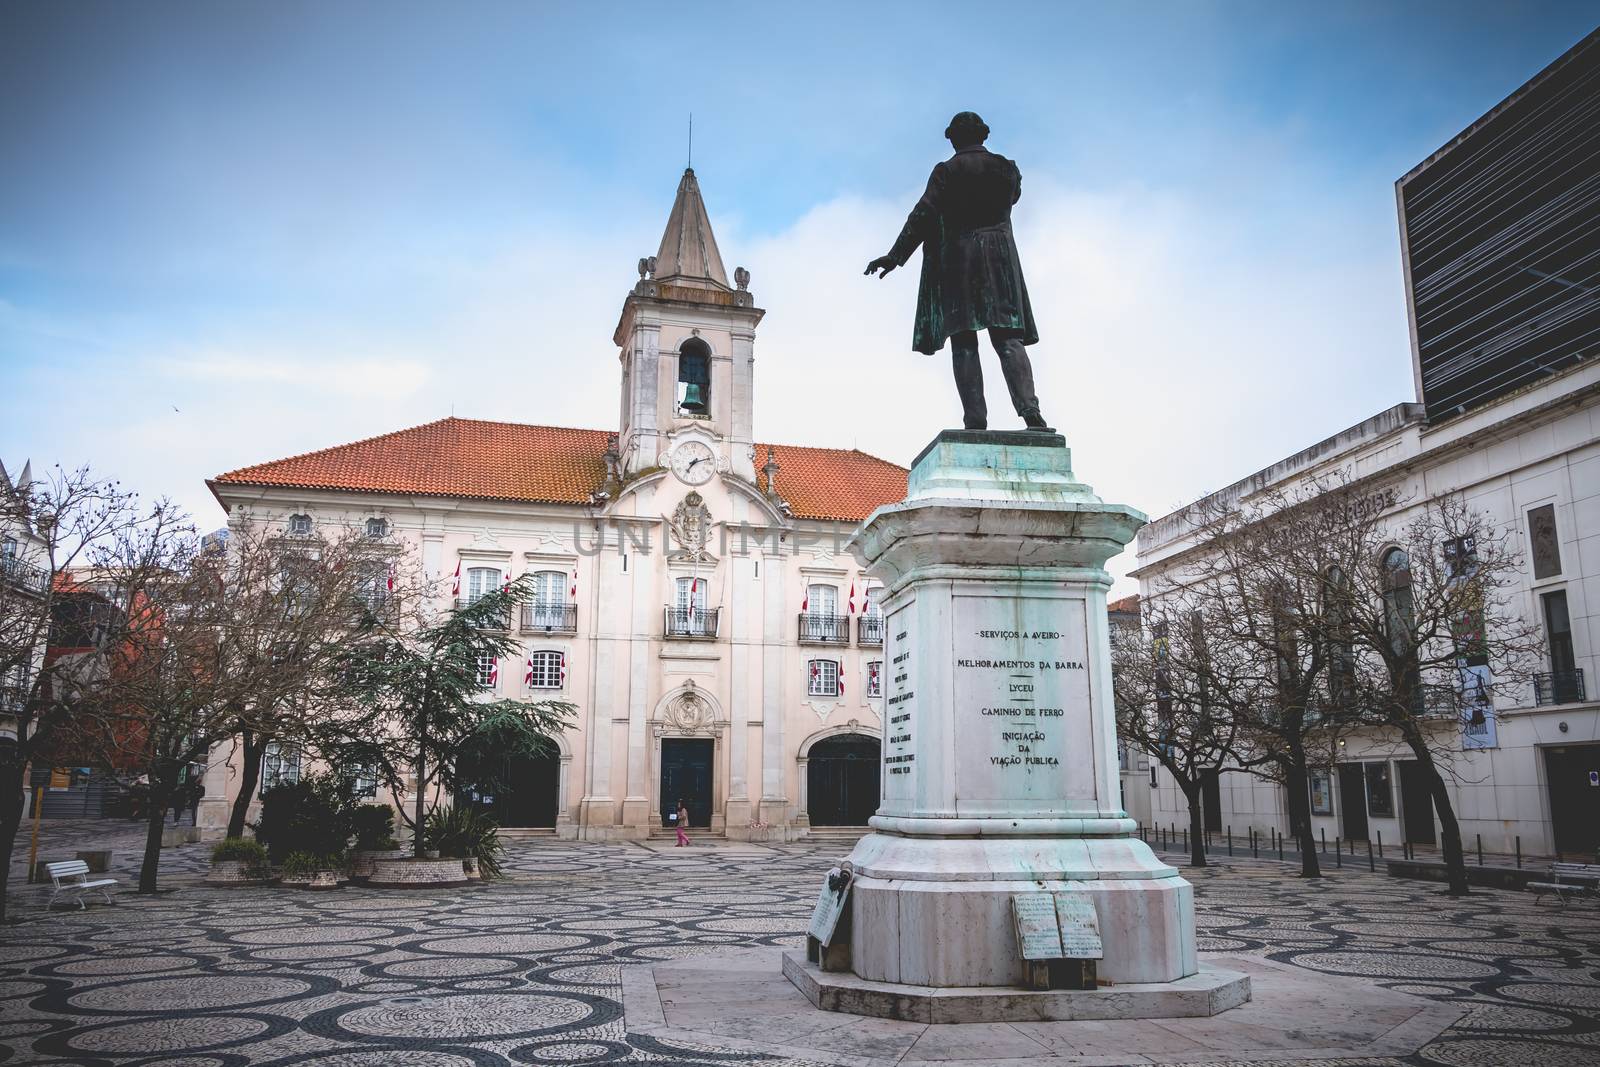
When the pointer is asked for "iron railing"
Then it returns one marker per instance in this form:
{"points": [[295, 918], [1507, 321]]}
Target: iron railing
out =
{"points": [[700, 623], [501, 621], [13, 698], [1559, 687], [19, 572], [869, 630], [824, 629], [549, 618]]}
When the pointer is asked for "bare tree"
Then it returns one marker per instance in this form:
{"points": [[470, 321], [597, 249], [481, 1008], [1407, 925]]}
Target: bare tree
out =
{"points": [[246, 637], [52, 527], [1431, 630], [1165, 678]]}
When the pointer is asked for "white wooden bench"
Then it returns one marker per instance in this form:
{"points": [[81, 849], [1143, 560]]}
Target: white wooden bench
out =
{"points": [[1568, 879], [72, 876]]}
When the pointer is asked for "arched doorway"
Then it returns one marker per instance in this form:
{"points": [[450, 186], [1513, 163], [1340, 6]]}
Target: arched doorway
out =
{"points": [[842, 780], [519, 791]]}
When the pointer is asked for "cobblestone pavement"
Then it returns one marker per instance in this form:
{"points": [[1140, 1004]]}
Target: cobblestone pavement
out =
{"points": [[526, 970]]}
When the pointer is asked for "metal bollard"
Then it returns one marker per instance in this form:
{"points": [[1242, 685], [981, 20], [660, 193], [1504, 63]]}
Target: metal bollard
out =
{"points": [[1480, 849], [1519, 852], [1186, 839], [1230, 841], [1324, 840], [1280, 848], [1380, 844], [1371, 866], [1338, 852]]}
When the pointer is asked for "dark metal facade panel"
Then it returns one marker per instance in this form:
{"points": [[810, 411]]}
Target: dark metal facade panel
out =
{"points": [[1502, 242]]}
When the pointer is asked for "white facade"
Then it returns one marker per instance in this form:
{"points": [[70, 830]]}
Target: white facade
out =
{"points": [[724, 704], [1534, 449]]}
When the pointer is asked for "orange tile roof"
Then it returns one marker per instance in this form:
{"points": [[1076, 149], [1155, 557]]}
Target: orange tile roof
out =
{"points": [[478, 460], [1129, 604]]}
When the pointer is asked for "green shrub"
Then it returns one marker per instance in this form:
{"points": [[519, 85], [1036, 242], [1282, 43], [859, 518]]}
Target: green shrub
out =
{"points": [[374, 828], [250, 853], [302, 865], [462, 833], [312, 815]]}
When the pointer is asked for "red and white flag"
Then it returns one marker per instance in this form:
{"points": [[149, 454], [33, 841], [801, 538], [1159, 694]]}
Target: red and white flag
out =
{"points": [[816, 672], [805, 599], [494, 672], [389, 582], [455, 586], [841, 679], [563, 670], [527, 679], [852, 596], [694, 590], [572, 592], [505, 586]]}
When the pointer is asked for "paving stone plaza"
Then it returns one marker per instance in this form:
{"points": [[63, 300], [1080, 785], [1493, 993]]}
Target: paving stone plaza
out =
{"points": [[530, 969]]}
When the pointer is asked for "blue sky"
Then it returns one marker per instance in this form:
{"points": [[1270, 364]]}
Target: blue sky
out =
{"points": [[302, 224]]}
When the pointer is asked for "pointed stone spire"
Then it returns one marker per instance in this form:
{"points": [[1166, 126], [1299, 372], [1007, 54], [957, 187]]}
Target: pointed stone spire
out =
{"points": [[689, 254]]}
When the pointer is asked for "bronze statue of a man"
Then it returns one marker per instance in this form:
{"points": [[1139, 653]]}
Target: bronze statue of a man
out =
{"points": [[971, 276]]}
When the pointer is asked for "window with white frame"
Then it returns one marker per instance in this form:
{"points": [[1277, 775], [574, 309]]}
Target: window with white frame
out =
{"points": [[280, 765], [8, 548], [697, 587], [377, 527], [822, 600], [824, 678], [875, 678], [488, 673], [545, 670], [481, 581], [299, 525], [549, 607], [363, 779]]}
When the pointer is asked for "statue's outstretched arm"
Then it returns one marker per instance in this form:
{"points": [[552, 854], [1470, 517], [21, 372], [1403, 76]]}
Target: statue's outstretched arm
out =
{"points": [[918, 225]]}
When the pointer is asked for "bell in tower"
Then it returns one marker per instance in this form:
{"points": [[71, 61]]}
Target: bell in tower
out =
{"points": [[694, 379]]}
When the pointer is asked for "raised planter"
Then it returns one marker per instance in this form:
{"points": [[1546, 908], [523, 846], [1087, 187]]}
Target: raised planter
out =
{"points": [[417, 874], [235, 873], [315, 880], [361, 863]]}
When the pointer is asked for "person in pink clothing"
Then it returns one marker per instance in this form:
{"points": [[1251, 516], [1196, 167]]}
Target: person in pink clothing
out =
{"points": [[683, 823]]}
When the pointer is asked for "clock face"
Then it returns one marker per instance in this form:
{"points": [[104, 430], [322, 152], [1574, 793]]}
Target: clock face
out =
{"points": [[693, 463]]}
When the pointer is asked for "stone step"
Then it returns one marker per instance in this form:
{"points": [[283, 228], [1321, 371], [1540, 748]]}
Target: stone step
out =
{"points": [[525, 833]]}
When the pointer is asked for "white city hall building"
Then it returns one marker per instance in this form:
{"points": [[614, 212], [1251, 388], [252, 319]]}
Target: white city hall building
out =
{"points": [[693, 599]]}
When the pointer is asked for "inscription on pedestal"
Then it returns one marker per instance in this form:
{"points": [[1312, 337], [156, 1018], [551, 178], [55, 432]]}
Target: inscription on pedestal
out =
{"points": [[1021, 691], [899, 752], [1079, 926], [1038, 929]]}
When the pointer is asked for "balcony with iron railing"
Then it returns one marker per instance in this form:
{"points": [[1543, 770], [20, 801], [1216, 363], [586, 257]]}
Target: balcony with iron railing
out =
{"points": [[1559, 687], [379, 603], [700, 623], [18, 572], [824, 629], [869, 630], [12, 700], [499, 621], [549, 618]]}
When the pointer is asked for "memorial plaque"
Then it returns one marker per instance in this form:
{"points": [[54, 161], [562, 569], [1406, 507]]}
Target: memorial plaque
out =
{"points": [[1038, 935], [899, 708], [830, 906], [1080, 927], [1022, 706]]}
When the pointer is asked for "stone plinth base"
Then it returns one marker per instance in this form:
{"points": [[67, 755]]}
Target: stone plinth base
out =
{"points": [[739, 1001], [936, 911], [1206, 993]]}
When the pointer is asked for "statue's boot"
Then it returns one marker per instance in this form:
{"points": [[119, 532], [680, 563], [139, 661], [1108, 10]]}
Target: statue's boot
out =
{"points": [[1018, 370]]}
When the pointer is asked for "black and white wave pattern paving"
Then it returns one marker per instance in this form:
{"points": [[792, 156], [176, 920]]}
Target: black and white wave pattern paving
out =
{"points": [[525, 971]]}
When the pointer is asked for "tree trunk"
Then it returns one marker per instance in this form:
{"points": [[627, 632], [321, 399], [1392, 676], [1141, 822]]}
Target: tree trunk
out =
{"points": [[1295, 781], [416, 829], [10, 822], [1455, 860], [249, 777], [155, 822], [1197, 823]]}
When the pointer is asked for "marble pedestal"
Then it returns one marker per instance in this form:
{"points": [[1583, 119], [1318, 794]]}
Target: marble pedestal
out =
{"points": [[1000, 771]]}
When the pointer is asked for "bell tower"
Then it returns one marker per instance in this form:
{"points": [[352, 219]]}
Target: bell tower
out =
{"points": [[686, 341]]}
